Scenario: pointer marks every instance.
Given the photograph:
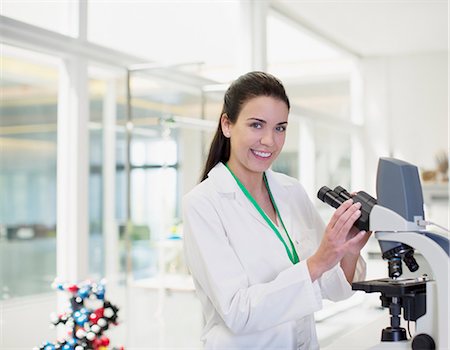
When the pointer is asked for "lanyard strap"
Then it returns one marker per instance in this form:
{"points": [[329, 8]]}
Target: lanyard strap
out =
{"points": [[292, 255]]}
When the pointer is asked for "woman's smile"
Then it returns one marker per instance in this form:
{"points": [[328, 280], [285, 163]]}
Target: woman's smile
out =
{"points": [[261, 154]]}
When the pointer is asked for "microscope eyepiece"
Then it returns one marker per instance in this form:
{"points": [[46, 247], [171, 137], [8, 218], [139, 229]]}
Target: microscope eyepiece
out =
{"points": [[330, 197], [341, 191], [322, 192], [339, 195]]}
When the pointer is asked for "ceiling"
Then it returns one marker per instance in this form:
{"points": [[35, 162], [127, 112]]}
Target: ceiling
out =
{"points": [[375, 28]]}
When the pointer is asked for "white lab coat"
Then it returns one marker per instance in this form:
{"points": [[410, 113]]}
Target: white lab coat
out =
{"points": [[253, 297]]}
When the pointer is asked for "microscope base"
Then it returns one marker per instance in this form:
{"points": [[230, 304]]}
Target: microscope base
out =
{"points": [[391, 334], [367, 337]]}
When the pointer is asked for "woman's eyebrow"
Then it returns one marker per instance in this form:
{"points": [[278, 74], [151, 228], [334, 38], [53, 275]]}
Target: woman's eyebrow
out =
{"points": [[257, 119], [265, 122]]}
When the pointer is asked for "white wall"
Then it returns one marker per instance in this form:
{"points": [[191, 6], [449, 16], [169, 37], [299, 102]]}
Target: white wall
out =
{"points": [[406, 109]]}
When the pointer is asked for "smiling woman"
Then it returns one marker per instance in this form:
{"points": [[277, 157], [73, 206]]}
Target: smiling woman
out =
{"points": [[249, 95], [280, 259], [144, 136], [259, 133]]}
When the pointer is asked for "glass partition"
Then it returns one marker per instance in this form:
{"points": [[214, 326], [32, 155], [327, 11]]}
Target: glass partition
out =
{"points": [[107, 111], [168, 132], [318, 81], [28, 172], [333, 157]]}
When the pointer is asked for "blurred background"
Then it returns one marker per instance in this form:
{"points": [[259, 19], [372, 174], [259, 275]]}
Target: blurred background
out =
{"points": [[108, 108]]}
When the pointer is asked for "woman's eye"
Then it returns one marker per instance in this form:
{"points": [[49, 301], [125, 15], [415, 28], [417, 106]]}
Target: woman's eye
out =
{"points": [[256, 125], [281, 128]]}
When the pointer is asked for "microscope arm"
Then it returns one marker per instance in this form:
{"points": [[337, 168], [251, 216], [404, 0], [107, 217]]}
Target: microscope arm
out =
{"points": [[384, 219]]}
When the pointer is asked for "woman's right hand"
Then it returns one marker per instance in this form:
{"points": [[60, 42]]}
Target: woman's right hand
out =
{"points": [[335, 244]]}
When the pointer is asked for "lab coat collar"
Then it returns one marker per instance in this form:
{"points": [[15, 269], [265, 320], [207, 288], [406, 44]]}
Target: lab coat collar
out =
{"points": [[223, 180], [228, 188]]}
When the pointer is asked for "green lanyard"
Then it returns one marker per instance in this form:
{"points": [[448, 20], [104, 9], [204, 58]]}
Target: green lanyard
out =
{"points": [[292, 255]]}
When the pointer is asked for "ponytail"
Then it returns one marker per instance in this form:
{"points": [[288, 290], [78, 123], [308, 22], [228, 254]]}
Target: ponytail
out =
{"points": [[218, 152]]}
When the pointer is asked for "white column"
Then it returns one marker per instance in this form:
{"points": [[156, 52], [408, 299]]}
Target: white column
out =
{"points": [[307, 155], [376, 106], [110, 229], [72, 172], [253, 42], [82, 20], [357, 139]]}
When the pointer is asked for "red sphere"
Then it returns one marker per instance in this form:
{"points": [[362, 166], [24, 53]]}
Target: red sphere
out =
{"points": [[93, 317], [99, 312], [73, 288], [105, 340]]}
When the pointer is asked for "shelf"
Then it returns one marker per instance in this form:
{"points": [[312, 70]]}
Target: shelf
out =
{"points": [[435, 192]]}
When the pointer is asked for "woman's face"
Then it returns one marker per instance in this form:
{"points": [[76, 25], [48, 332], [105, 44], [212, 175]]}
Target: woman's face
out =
{"points": [[258, 135]]}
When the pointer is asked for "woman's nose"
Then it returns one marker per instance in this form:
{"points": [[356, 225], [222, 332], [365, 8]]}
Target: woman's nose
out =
{"points": [[267, 139]]}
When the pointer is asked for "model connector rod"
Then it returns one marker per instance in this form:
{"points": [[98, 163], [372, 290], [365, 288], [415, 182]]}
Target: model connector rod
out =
{"points": [[339, 195]]}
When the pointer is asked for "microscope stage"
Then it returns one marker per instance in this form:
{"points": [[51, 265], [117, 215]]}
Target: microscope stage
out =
{"points": [[392, 287]]}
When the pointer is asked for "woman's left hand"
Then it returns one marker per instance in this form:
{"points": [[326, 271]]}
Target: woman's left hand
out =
{"points": [[356, 248], [350, 260], [353, 232]]}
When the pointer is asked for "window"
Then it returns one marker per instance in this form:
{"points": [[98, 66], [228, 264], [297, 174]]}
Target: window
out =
{"points": [[166, 138], [28, 172]]}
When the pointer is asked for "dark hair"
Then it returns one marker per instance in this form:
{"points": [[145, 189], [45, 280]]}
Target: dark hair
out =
{"points": [[246, 87]]}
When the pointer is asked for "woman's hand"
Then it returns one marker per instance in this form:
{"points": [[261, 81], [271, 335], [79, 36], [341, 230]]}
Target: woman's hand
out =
{"points": [[340, 239], [355, 248], [350, 260]]}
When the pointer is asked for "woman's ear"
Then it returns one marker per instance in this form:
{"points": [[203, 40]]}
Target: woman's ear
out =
{"points": [[225, 124]]}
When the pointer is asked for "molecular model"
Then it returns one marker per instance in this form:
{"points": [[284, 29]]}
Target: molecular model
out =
{"points": [[86, 320]]}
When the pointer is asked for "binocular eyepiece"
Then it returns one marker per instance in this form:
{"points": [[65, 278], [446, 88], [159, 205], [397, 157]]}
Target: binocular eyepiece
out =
{"points": [[339, 195], [393, 252]]}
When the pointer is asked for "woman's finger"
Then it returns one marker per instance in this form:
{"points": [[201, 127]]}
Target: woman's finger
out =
{"points": [[339, 211], [352, 217], [351, 214], [358, 241]]}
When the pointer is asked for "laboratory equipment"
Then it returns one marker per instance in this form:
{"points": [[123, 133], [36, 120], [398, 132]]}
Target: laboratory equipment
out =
{"points": [[397, 219]]}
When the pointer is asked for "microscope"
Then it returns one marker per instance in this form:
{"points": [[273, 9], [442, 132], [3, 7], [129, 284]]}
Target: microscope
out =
{"points": [[397, 219]]}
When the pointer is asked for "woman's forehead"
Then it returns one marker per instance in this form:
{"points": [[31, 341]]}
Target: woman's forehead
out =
{"points": [[265, 107]]}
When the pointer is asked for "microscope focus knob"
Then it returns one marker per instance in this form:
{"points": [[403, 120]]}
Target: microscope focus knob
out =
{"points": [[423, 342]]}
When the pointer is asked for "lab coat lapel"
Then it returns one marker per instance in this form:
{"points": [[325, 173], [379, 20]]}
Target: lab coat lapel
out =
{"points": [[280, 194], [226, 185]]}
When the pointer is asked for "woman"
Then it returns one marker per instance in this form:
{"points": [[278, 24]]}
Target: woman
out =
{"points": [[260, 256]]}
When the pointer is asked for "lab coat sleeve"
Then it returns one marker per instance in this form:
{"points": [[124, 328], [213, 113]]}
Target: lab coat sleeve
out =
{"points": [[333, 283], [217, 271]]}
